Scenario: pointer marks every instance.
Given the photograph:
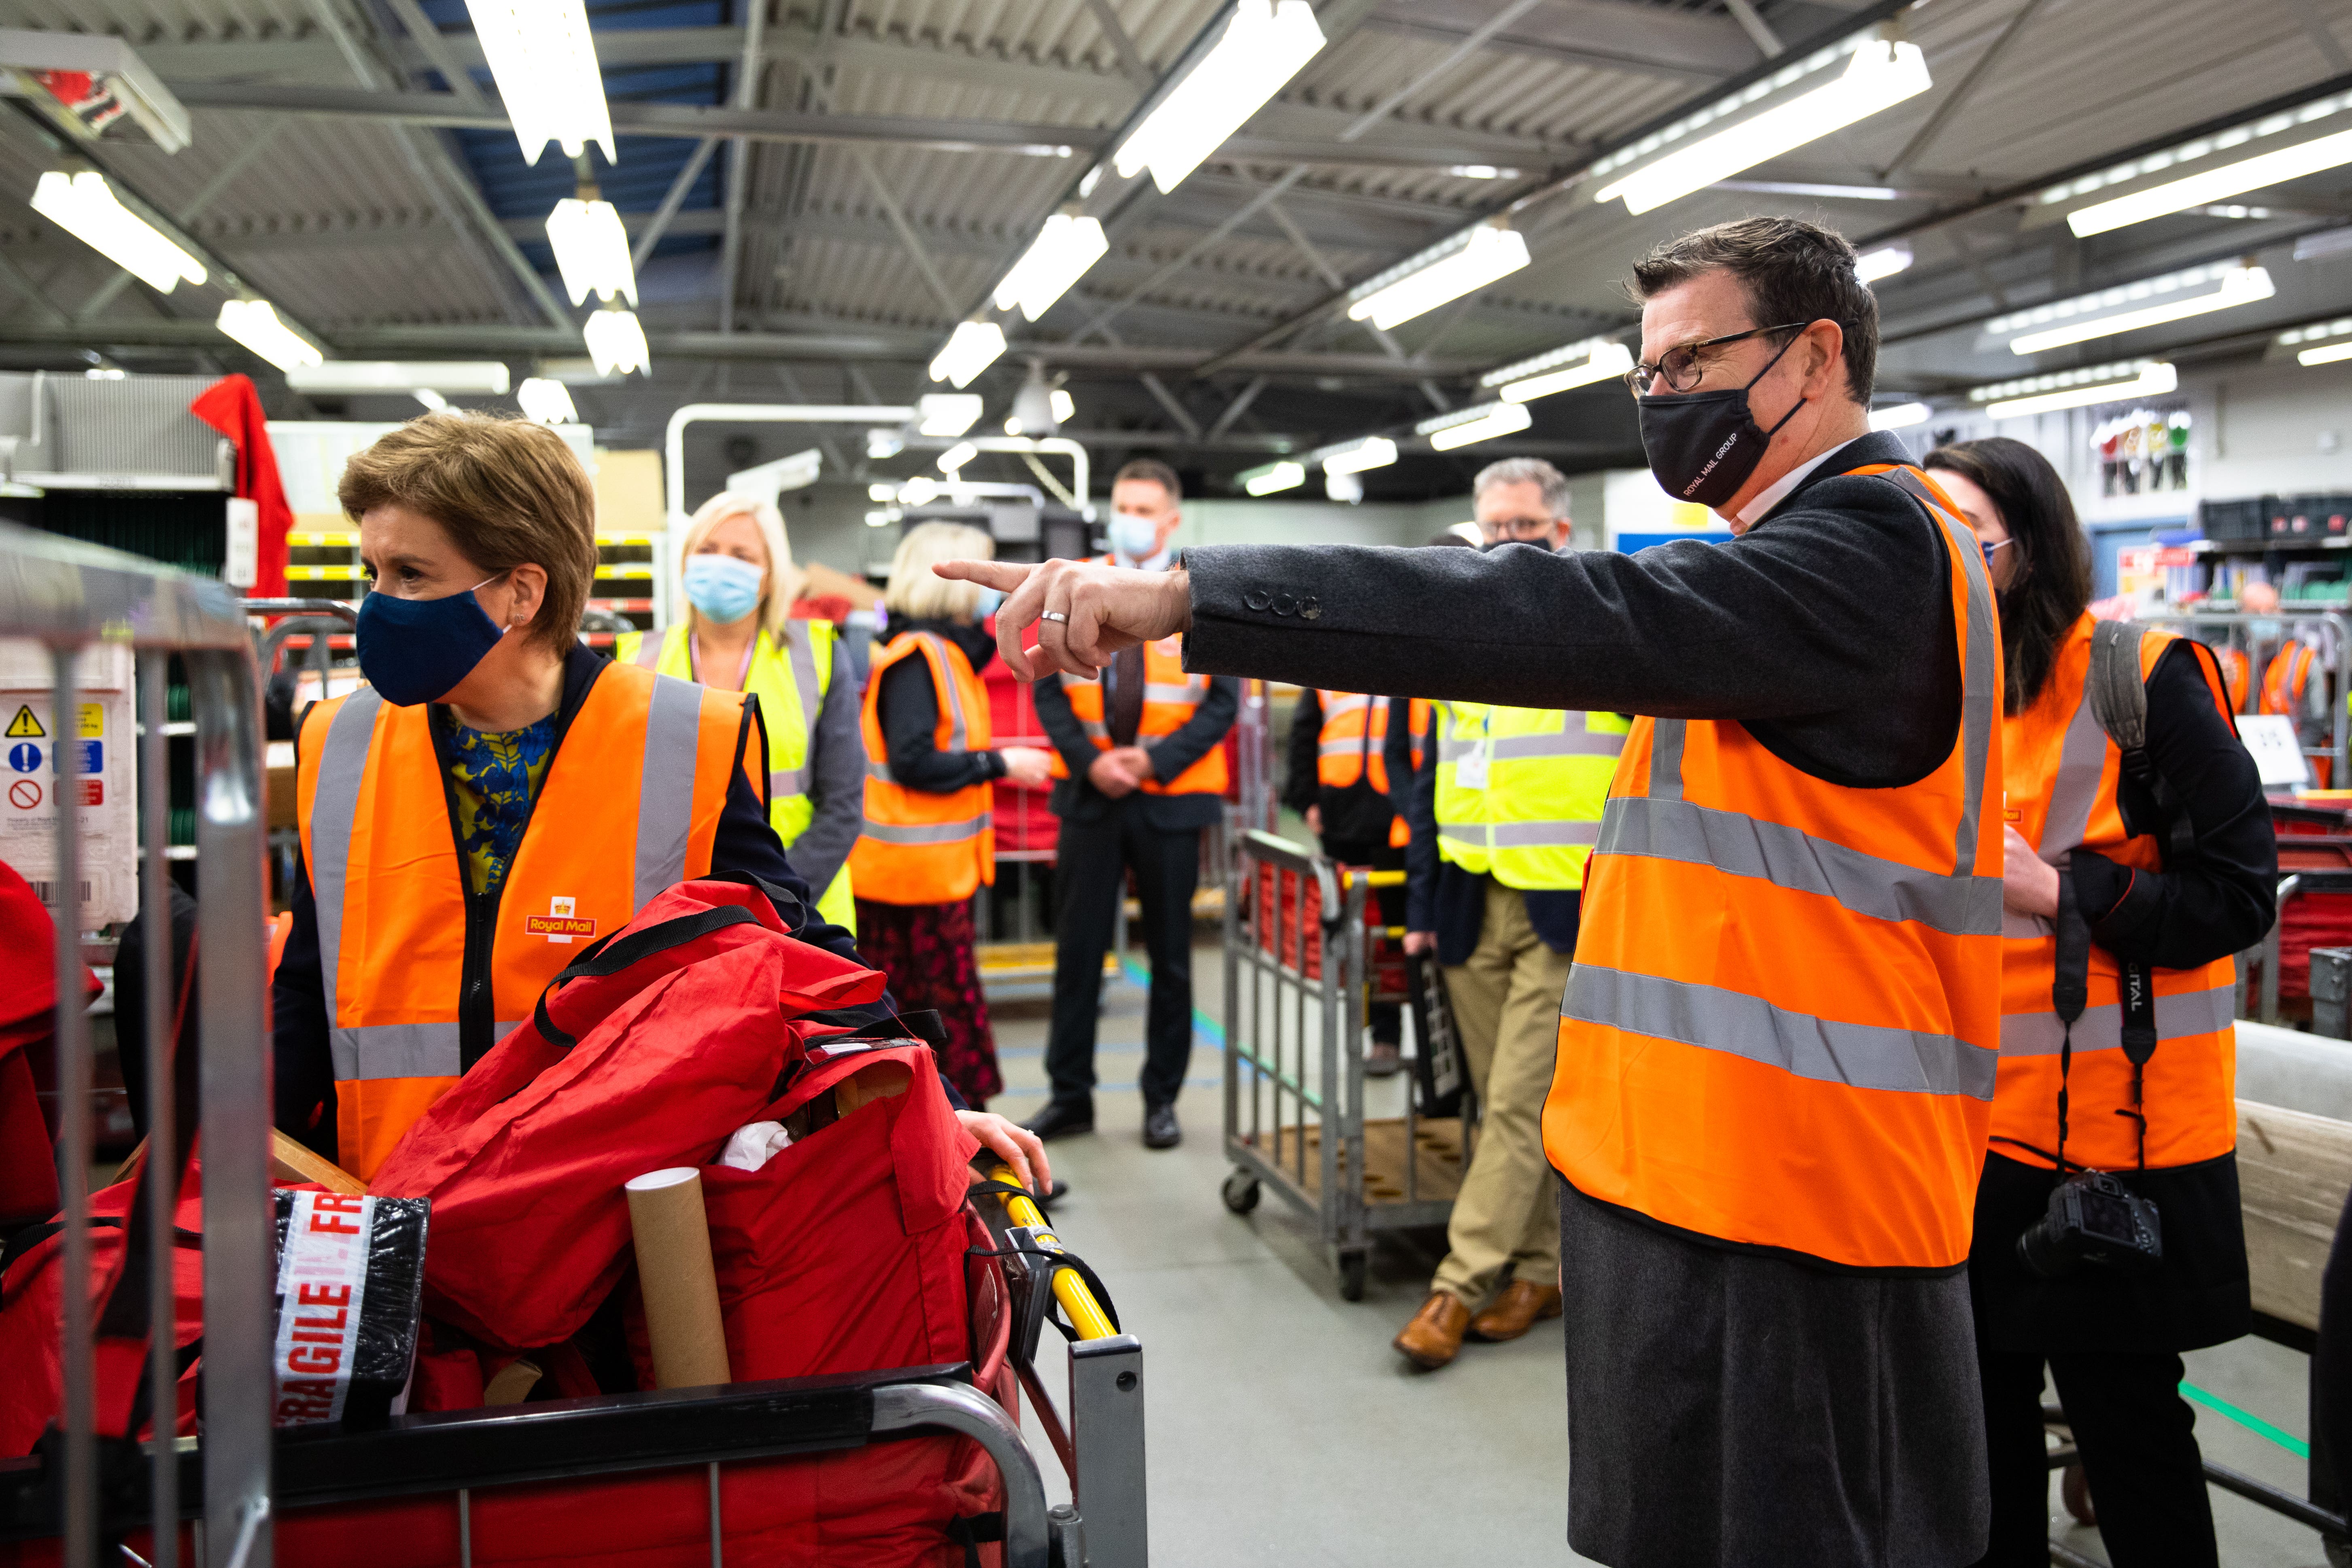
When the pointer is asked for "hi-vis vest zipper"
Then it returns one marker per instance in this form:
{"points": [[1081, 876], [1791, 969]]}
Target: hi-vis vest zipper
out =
{"points": [[791, 685], [1783, 1024]]}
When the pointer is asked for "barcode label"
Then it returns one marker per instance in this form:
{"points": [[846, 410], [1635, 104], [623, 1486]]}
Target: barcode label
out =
{"points": [[47, 892]]}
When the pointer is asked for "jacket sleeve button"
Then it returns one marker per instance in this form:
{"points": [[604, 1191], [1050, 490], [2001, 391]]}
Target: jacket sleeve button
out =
{"points": [[1284, 603], [1308, 610], [1256, 599]]}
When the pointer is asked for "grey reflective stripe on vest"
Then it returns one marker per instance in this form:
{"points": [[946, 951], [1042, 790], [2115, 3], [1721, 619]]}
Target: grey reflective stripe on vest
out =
{"points": [[1156, 692], [342, 764], [785, 783], [1665, 759], [1743, 846], [2074, 793], [800, 652], [878, 771], [649, 650], [2102, 1029], [1095, 729], [405, 1050], [959, 735], [666, 793], [1339, 707], [928, 832], [1523, 834], [1979, 699], [1866, 1056]]}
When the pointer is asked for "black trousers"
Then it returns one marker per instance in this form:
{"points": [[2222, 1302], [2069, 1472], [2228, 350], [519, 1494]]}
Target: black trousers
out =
{"points": [[1090, 867], [2139, 1453], [1387, 1017]]}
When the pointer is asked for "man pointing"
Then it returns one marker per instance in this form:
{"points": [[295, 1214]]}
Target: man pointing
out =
{"points": [[1777, 1044]]}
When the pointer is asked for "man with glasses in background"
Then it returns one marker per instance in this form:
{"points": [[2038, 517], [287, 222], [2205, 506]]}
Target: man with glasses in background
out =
{"points": [[1777, 1042]]}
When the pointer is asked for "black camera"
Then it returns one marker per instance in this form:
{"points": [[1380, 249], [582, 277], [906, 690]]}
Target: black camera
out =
{"points": [[2093, 1218]]}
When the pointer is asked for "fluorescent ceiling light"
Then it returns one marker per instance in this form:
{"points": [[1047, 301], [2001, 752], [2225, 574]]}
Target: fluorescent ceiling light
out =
{"points": [[1884, 262], [451, 378], [2264, 162], [921, 490], [592, 250], [1263, 48], [2150, 302], [946, 413], [1445, 271], [1283, 476], [883, 518], [1054, 260], [1562, 370], [616, 341], [1065, 407], [549, 402], [957, 455], [1900, 416], [2075, 388], [1355, 456], [2327, 355], [1481, 172], [85, 206], [545, 63], [1800, 188], [2321, 350], [881, 490], [430, 399], [1466, 427], [253, 324], [971, 348], [1767, 118]]}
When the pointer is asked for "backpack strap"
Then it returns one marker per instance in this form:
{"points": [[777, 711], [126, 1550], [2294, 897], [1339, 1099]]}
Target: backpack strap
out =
{"points": [[600, 960], [2117, 694]]}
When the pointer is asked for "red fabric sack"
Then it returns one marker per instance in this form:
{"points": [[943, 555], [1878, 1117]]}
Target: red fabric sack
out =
{"points": [[683, 1023], [845, 1252], [32, 1387]]}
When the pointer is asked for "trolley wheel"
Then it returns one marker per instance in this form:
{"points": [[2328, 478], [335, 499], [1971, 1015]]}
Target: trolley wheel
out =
{"points": [[1352, 1267], [1240, 1191], [2075, 1488]]}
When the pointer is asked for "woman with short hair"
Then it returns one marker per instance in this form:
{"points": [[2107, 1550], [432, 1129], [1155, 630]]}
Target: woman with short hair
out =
{"points": [[736, 633], [497, 796], [2104, 900], [928, 844]]}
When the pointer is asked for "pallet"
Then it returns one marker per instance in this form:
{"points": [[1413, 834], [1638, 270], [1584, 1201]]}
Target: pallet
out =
{"points": [[1440, 1161]]}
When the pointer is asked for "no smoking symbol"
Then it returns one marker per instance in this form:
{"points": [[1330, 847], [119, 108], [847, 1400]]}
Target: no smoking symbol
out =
{"points": [[24, 794]]}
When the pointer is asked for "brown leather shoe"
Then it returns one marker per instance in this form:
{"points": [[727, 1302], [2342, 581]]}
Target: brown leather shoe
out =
{"points": [[1434, 1335], [1518, 1309]]}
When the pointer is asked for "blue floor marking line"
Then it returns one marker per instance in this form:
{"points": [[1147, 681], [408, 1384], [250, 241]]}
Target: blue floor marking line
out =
{"points": [[1206, 1027]]}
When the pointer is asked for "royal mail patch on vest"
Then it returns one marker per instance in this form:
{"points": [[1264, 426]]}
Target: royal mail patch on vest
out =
{"points": [[558, 924], [350, 1274]]}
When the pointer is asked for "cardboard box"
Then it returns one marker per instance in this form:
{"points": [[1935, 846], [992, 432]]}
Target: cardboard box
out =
{"points": [[104, 740]]}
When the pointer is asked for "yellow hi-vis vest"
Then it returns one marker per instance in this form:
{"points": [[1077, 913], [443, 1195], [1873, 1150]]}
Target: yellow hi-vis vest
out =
{"points": [[790, 684], [1533, 817]]}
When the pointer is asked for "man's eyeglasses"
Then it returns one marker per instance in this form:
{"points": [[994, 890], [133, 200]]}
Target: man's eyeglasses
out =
{"points": [[1680, 368], [1521, 527]]}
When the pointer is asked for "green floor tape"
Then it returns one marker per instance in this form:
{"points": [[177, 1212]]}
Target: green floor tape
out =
{"points": [[2249, 1420]]}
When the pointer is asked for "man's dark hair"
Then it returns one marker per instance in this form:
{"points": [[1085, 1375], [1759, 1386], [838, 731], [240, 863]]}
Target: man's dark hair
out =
{"points": [[1158, 472], [2051, 580], [1790, 271]]}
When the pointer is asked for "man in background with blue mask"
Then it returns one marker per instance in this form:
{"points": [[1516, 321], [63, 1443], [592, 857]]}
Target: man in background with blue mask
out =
{"points": [[1138, 752], [1777, 1045]]}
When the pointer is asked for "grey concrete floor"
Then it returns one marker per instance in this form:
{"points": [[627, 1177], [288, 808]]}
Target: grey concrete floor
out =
{"points": [[1283, 1429]]}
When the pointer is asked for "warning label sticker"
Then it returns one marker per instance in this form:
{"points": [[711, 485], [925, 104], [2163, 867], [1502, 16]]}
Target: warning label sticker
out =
{"points": [[24, 794], [25, 726]]}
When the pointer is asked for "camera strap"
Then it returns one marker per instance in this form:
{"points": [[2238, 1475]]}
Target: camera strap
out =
{"points": [[2070, 992]]}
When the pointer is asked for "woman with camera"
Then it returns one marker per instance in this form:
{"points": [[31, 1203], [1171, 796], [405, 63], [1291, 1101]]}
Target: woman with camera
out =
{"points": [[2107, 1230]]}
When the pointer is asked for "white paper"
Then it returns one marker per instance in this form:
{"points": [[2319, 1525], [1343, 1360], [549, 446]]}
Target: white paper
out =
{"points": [[2271, 740], [755, 1145]]}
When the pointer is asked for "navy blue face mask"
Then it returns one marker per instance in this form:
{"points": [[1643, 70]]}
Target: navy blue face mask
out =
{"points": [[417, 650]]}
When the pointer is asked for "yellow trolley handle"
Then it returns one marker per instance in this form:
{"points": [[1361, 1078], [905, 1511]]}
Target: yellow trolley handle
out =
{"points": [[1085, 1314]]}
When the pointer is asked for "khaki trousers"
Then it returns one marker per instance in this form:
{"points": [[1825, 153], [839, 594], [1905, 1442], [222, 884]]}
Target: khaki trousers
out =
{"points": [[1506, 1000]]}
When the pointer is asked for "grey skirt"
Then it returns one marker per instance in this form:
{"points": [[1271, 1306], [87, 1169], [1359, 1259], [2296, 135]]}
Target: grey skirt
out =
{"points": [[1731, 1408]]}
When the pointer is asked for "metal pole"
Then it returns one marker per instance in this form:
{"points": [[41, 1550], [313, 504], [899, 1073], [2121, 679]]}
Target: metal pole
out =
{"points": [[162, 1172], [73, 1114]]}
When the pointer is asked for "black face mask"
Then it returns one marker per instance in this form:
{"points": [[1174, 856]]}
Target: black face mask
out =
{"points": [[1702, 445]]}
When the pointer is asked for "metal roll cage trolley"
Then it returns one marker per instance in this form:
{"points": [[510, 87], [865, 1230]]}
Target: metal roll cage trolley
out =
{"points": [[239, 1474]]}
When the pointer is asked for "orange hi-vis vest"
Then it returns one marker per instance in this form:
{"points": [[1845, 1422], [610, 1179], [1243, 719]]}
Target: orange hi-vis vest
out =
{"points": [[1350, 745], [1170, 698], [2287, 678], [630, 806], [1782, 1026], [919, 847], [2062, 772], [2237, 671]]}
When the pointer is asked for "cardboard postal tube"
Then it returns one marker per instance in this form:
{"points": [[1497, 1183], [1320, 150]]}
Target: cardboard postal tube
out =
{"points": [[674, 1272]]}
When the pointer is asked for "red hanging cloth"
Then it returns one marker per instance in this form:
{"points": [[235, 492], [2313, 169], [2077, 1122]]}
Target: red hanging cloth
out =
{"points": [[232, 406]]}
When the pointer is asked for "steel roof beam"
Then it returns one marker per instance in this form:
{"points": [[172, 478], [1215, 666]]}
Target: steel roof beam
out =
{"points": [[1601, 35]]}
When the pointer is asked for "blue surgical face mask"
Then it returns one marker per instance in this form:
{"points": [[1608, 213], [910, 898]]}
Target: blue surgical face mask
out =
{"points": [[417, 650], [722, 587], [1134, 538], [988, 603]]}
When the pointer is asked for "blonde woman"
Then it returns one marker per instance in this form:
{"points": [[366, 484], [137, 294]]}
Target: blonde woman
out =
{"points": [[928, 845], [736, 636]]}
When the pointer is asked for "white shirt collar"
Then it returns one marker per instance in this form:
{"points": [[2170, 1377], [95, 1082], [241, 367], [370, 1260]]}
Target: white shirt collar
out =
{"points": [[1773, 494], [1158, 562]]}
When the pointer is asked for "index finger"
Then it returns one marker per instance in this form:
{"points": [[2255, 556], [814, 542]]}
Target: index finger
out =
{"points": [[1004, 574]]}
